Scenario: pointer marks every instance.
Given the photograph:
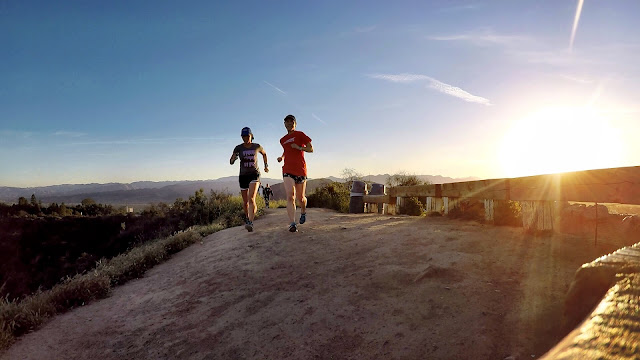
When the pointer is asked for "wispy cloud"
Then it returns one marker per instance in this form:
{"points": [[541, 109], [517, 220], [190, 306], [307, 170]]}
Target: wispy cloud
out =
{"points": [[482, 38], [460, 8], [433, 84], [63, 133], [457, 92], [317, 118], [275, 87], [399, 78], [365, 29]]}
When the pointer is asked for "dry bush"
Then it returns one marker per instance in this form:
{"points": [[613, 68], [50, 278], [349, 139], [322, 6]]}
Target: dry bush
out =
{"points": [[20, 316]]}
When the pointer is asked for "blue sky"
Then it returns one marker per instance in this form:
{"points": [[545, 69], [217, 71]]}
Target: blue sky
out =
{"points": [[121, 91]]}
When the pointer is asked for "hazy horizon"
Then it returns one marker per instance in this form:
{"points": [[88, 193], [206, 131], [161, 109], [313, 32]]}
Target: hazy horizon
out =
{"points": [[230, 178], [105, 92]]}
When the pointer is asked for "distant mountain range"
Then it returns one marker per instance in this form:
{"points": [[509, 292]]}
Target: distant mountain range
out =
{"points": [[147, 192]]}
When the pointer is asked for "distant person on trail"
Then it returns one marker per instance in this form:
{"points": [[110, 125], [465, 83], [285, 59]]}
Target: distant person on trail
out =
{"points": [[266, 193], [294, 170], [249, 173]]}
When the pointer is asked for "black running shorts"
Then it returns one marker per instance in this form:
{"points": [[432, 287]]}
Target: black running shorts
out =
{"points": [[298, 179], [245, 180]]}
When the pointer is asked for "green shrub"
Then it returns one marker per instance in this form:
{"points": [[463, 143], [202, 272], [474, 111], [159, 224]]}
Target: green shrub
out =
{"points": [[331, 196], [412, 206], [136, 262], [468, 209], [278, 204], [507, 213], [205, 230]]}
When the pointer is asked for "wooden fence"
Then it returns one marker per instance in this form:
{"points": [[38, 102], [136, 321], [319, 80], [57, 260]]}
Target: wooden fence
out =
{"points": [[536, 194]]}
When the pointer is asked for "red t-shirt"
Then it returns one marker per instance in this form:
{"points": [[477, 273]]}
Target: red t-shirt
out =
{"points": [[294, 163]]}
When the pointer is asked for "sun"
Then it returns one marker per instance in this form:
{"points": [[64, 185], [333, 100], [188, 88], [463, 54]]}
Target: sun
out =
{"points": [[554, 140]]}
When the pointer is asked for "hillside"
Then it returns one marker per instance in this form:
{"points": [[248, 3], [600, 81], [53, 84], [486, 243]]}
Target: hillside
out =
{"points": [[123, 194]]}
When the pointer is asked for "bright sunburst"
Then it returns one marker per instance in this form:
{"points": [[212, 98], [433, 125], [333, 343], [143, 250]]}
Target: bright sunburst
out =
{"points": [[558, 140]]}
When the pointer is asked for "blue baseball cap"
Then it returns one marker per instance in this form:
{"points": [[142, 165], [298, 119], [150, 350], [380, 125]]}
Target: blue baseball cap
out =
{"points": [[246, 131]]}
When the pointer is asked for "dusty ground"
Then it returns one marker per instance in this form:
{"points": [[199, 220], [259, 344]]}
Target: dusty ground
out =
{"points": [[345, 287]]}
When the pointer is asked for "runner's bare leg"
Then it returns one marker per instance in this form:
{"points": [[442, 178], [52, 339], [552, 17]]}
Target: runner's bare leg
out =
{"points": [[245, 202], [251, 195], [302, 199], [290, 190]]}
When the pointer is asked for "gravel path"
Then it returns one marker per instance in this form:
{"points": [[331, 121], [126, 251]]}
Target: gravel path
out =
{"points": [[346, 286]]}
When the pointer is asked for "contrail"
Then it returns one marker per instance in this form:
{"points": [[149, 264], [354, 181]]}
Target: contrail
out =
{"points": [[433, 84], [317, 118], [275, 87], [290, 101], [575, 23]]}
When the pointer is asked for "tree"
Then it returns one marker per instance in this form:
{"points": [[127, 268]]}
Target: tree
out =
{"points": [[411, 205], [35, 205], [22, 201], [64, 210], [349, 175], [53, 209], [403, 179], [87, 201]]}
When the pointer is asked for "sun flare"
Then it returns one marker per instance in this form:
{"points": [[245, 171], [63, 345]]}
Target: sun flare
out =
{"points": [[555, 140]]}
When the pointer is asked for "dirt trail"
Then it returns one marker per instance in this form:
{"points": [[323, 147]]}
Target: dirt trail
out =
{"points": [[345, 287]]}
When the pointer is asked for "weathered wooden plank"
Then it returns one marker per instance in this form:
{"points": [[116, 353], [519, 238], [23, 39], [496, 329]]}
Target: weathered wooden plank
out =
{"points": [[537, 215], [434, 204], [497, 189], [414, 190], [376, 199], [616, 185]]}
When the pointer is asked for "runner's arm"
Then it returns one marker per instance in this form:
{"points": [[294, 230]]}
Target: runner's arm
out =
{"points": [[307, 148], [264, 158], [233, 158]]}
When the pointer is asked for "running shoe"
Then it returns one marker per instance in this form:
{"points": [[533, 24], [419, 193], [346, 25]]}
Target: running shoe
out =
{"points": [[293, 227], [303, 218], [249, 226]]}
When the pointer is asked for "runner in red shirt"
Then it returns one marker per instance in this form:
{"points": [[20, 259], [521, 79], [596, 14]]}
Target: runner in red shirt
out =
{"points": [[294, 171]]}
